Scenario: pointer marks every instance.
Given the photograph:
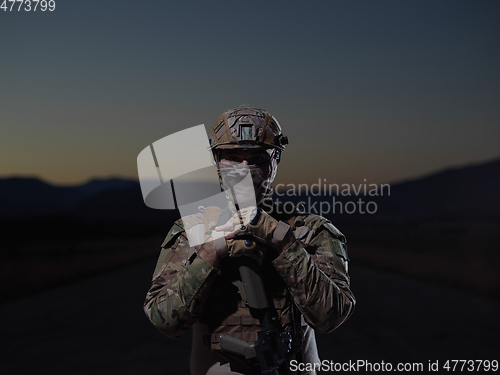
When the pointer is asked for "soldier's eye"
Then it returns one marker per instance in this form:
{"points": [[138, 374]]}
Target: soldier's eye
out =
{"points": [[232, 158], [261, 159]]}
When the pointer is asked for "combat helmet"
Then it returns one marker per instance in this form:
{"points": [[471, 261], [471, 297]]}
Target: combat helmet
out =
{"points": [[247, 127]]}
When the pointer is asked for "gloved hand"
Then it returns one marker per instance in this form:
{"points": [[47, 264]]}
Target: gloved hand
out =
{"points": [[252, 239], [265, 229], [198, 226], [255, 250]]}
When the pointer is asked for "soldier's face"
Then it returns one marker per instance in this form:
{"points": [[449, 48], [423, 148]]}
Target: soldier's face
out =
{"points": [[260, 163]]}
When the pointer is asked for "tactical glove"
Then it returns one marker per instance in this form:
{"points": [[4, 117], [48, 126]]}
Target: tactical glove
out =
{"points": [[199, 225], [265, 229], [252, 239]]}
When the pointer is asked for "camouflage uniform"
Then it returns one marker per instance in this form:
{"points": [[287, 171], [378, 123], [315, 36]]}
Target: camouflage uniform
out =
{"points": [[312, 274]]}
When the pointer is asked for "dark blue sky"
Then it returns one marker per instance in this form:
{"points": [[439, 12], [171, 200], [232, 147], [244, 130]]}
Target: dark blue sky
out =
{"points": [[376, 90]]}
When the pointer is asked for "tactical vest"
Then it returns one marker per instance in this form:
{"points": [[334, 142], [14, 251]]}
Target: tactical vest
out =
{"points": [[226, 309], [226, 312], [241, 324]]}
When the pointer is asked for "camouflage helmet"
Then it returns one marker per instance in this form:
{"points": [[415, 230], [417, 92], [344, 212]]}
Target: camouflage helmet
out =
{"points": [[247, 127]]}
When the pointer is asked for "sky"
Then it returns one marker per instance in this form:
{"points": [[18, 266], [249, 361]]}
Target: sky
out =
{"points": [[381, 91]]}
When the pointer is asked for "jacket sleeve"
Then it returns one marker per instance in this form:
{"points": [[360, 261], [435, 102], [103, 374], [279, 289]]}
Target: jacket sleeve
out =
{"points": [[180, 286], [316, 273]]}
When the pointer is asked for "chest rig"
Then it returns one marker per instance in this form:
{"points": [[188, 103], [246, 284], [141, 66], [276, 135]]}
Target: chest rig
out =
{"points": [[227, 312]]}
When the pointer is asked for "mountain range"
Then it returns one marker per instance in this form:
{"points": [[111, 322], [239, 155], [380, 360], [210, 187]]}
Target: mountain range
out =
{"points": [[469, 192]]}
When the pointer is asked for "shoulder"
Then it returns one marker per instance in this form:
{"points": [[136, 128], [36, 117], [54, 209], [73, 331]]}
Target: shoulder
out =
{"points": [[317, 223], [175, 231], [322, 238], [304, 224], [308, 226]]}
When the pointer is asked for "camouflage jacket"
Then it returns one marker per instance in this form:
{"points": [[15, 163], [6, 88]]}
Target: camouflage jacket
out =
{"points": [[313, 273]]}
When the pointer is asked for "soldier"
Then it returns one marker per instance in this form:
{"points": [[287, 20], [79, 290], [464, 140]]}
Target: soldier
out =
{"points": [[302, 257]]}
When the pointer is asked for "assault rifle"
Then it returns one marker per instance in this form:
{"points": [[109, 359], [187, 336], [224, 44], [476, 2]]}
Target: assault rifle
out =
{"points": [[268, 355]]}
